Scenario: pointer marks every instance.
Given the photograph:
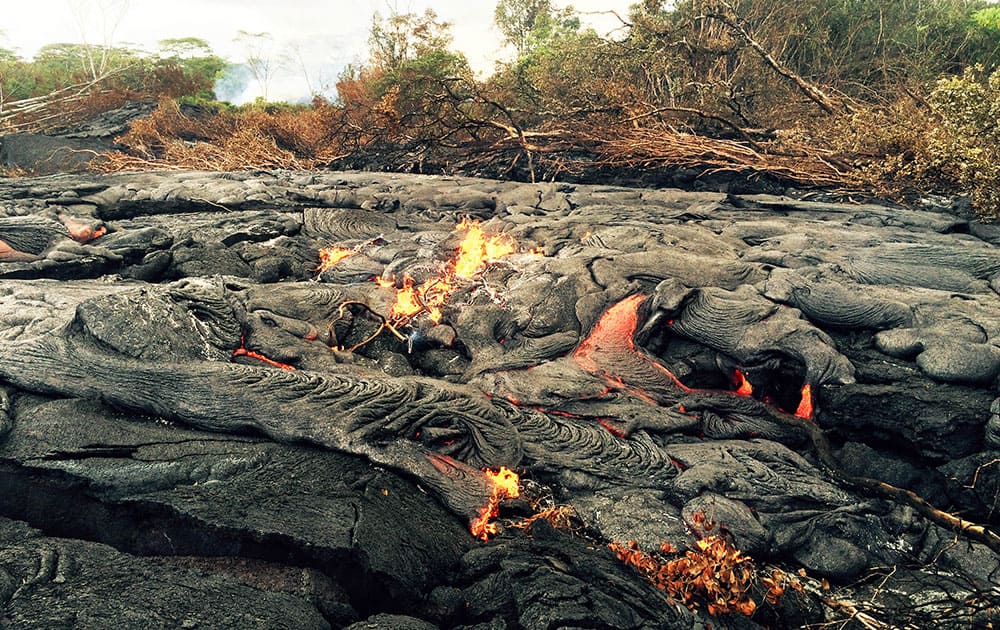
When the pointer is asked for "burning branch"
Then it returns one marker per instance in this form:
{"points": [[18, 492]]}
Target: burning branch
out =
{"points": [[472, 258], [505, 486], [385, 324]]}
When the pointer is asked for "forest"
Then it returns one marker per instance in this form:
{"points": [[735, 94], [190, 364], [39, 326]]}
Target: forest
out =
{"points": [[897, 99]]}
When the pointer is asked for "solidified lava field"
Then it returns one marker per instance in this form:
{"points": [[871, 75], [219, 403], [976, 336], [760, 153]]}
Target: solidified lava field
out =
{"points": [[288, 399]]}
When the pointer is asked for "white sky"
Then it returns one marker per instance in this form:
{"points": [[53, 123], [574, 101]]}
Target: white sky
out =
{"points": [[328, 33]]}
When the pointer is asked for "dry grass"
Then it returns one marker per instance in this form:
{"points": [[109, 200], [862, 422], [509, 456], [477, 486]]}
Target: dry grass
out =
{"points": [[656, 148], [226, 140], [320, 136]]}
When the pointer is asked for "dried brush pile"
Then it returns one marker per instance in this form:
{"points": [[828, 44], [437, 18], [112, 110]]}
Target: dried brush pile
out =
{"points": [[320, 136], [226, 140]]}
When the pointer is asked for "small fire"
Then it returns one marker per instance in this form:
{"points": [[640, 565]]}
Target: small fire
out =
{"points": [[477, 250], [505, 486], [407, 302], [805, 409], [744, 388], [330, 256]]}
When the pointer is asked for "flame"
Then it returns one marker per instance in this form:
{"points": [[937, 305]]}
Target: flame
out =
{"points": [[744, 388], [505, 484], [805, 409], [407, 302], [330, 256], [477, 251]]}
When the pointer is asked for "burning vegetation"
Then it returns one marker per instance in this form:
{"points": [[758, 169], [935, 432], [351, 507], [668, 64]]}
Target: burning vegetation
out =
{"points": [[505, 485], [477, 251]]}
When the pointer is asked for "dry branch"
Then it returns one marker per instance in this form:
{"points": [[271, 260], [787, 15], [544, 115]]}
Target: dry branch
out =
{"points": [[813, 93]]}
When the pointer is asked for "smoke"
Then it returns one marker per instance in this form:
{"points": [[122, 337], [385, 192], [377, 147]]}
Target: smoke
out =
{"points": [[234, 84], [237, 85]]}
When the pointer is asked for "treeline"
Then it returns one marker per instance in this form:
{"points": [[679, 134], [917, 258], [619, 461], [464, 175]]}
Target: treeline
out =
{"points": [[65, 83], [895, 96]]}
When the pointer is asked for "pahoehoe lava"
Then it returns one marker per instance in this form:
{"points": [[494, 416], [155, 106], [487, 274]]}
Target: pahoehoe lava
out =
{"points": [[822, 385]]}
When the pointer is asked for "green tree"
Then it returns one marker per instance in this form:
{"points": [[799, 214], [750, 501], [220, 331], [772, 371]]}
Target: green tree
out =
{"points": [[401, 37], [516, 19]]}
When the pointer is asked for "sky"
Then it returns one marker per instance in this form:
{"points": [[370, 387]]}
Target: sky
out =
{"points": [[318, 37]]}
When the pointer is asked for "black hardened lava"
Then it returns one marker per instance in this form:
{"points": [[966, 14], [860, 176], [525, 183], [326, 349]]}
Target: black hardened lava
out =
{"points": [[206, 423]]}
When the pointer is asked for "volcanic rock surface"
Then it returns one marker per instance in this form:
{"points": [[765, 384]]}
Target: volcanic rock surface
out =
{"points": [[201, 426]]}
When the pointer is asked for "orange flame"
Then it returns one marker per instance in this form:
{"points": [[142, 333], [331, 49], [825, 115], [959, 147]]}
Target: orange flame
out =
{"points": [[505, 486], [805, 409], [407, 302], [477, 251], [744, 388], [330, 256]]}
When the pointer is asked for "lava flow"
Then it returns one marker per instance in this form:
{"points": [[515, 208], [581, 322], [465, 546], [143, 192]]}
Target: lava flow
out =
{"points": [[330, 256], [505, 486], [611, 344], [805, 409], [250, 354], [613, 338], [744, 388]]}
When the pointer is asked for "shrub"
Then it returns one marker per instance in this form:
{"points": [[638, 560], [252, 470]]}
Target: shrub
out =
{"points": [[948, 143]]}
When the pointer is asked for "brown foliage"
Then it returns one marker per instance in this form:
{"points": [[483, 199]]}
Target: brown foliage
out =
{"points": [[711, 572], [223, 140]]}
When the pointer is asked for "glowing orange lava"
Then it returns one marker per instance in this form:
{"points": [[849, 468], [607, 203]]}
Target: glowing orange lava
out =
{"points": [[613, 336], [505, 486], [82, 232], [744, 388], [243, 352], [805, 409], [616, 326], [330, 256]]}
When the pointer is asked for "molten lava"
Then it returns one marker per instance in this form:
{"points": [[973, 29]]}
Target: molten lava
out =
{"points": [[743, 386], [611, 345], [805, 409], [330, 256], [250, 354], [616, 327], [81, 231], [614, 335], [505, 484]]}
